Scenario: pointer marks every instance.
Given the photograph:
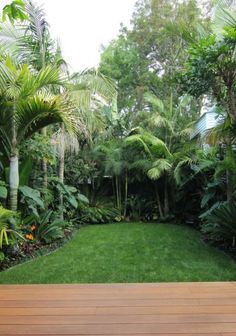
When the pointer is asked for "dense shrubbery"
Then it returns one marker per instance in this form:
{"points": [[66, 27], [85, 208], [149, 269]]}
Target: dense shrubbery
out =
{"points": [[84, 149], [219, 224]]}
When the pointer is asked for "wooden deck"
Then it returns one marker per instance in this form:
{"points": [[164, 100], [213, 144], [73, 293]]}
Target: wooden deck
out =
{"points": [[192, 309]]}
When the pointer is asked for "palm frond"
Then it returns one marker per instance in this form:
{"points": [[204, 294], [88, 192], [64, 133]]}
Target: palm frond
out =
{"points": [[136, 140], [225, 16], [38, 24], [10, 35], [160, 121], [154, 101], [64, 139], [160, 167], [37, 112], [187, 161]]}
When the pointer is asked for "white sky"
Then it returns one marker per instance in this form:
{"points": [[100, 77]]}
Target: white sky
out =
{"points": [[82, 26]]}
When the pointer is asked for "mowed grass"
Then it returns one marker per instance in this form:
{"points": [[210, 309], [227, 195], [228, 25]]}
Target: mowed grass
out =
{"points": [[128, 252]]}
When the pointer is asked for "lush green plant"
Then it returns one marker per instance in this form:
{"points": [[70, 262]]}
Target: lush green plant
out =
{"points": [[71, 198], [8, 231], [3, 191], [14, 11], [210, 68], [43, 228], [220, 223], [30, 111], [31, 200], [98, 215]]}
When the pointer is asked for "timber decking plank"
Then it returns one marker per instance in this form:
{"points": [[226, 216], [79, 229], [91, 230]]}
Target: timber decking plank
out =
{"points": [[121, 319], [199, 309], [111, 329], [193, 309], [116, 303]]}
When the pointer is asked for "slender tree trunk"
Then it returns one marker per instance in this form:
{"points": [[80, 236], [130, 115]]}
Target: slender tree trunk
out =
{"points": [[158, 201], [61, 166], [14, 181], [14, 167], [113, 188], [44, 164], [126, 194], [117, 192], [231, 104], [230, 189], [229, 182], [166, 198], [120, 197]]}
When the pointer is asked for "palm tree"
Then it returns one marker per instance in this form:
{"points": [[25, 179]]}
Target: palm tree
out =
{"points": [[26, 107], [89, 91], [109, 158], [170, 124], [154, 160], [32, 44]]}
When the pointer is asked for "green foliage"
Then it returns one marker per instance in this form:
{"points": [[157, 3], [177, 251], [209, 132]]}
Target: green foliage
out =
{"points": [[14, 11], [210, 69], [146, 57], [38, 147], [44, 228], [99, 215], [220, 222], [31, 200], [71, 195], [7, 232], [25, 171], [160, 167], [3, 190]]}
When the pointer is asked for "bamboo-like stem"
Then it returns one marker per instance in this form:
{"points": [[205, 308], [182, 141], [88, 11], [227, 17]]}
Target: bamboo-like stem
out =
{"points": [[14, 166], [44, 164], [14, 182], [126, 194], [61, 166], [158, 201], [166, 198]]}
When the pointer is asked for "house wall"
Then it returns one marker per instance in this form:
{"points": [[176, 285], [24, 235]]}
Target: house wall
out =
{"points": [[207, 121]]}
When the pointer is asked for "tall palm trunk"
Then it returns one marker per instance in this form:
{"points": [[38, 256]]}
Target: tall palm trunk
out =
{"points": [[158, 201], [44, 164], [126, 194], [61, 165], [166, 198], [229, 182], [14, 181], [118, 195], [14, 166]]}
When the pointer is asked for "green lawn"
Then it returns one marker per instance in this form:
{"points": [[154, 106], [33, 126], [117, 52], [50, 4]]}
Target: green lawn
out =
{"points": [[128, 253]]}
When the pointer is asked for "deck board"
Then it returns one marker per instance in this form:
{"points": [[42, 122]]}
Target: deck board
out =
{"points": [[168, 309]]}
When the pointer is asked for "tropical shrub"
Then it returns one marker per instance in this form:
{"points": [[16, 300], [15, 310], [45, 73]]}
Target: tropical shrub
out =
{"points": [[43, 228], [98, 215], [3, 192], [220, 223], [31, 201], [71, 198], [8, 230]]}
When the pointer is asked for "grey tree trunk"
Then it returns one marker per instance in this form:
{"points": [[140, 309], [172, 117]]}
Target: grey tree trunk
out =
{"points": [[44, 164], [158, 201], [166, 199], [229, 179], [14, 181], [61, 165], [126, 194]]}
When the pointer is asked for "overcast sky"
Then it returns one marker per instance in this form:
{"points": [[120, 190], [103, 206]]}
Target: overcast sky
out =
{"points": [[82, 26]]}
